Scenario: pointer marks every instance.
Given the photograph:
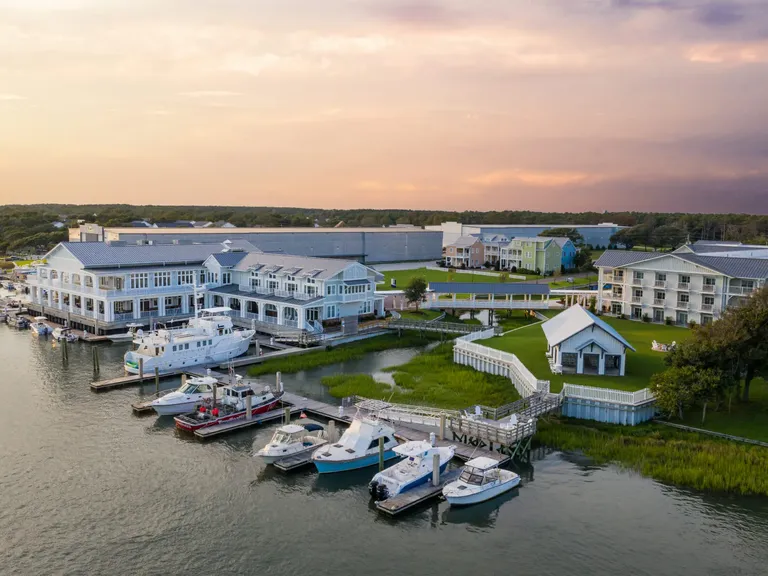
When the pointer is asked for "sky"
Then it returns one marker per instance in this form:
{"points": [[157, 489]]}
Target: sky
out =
{"points": [[556, 105]]}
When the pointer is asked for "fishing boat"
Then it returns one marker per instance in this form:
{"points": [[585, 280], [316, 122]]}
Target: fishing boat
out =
{"points": [[232, 405], [358, 447], [291, 440], [40, 326], [18, 322], [63, 333], [134, 330], [480, 480], [209, 338], [193, 393], [415, 469]]}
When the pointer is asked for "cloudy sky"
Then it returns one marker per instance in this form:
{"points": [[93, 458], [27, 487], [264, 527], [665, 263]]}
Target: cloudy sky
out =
{"points": [[453, 104]]}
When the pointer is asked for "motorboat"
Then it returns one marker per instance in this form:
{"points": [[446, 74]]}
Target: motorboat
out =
{"points": [[18, 322], [232, 404], [480, 480], [209, 338], [358, 447], [134, 330], [291, 440], [63, 333], [193, 393], [10, 287], [414, 469], [40, 326]]}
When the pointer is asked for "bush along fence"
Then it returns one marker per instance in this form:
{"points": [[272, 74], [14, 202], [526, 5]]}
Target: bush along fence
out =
{"points": [[585, 402]]}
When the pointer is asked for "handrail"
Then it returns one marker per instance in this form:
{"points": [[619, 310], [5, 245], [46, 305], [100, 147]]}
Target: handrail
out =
{"points": [[608, 395]]}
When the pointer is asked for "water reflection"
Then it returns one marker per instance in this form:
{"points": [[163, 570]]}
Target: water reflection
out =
{"points": [[483, 515]]}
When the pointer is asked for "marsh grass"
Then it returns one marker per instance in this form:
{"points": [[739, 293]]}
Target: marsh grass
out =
{"points": [[670, 456], [432, 379]]}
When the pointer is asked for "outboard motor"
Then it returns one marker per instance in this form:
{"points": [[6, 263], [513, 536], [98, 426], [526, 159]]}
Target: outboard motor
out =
{"points": [[382, 492]]}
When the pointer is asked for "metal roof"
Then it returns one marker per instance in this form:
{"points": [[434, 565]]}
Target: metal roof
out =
{"points": [[307, 230], [228, 259], [616, 258], [488, 288], [712, 248], [325, 267], [233, 290], [574, 320], [531, 239], [561, 241], [105, 255], [734, 267], [464, 241]]}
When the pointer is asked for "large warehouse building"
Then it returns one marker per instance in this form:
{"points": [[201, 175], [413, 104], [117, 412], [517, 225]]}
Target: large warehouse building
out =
{"points": [[366, 245], [594, 234]]}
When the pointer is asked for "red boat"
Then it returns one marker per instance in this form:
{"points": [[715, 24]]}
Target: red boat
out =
{"points": [[231, 404]]}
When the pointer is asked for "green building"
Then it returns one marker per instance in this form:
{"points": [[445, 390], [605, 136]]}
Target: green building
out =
{"points": [[532, 253]]}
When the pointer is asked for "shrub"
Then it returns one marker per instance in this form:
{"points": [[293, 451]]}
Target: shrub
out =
{"points": [[622, 316], [668, 321], [692, 324], [646, 317]]}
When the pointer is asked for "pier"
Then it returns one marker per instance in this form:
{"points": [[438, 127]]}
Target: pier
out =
{"points": [[257, 420], [407, 500]]}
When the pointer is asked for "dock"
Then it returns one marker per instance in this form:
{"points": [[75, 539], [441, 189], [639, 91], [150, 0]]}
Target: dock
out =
{"points": [[407, 500], [258, 419], [130, 380]]}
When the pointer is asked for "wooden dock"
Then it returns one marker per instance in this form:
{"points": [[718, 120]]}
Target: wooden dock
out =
{"points": [[407, 500], [462, 451], [257, 420], [254, 359]]}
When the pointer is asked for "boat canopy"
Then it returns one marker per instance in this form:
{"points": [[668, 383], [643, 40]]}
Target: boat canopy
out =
{"points": [[216, 310], [414, 448], [41, 318], [291, 429], [482, 463], [313, 427]]}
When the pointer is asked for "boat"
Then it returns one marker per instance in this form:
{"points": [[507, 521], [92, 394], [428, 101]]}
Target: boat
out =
{"points": [[481, 480], [18, 322], [292, 440], [40, 326], [134, 330], [358, 447], [415, 469], [10, 287], [64, 333], [232, 405], [193, 393], [209, 338]]}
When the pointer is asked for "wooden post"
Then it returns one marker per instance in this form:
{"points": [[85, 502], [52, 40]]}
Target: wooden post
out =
{"points": [[248, 404], [287, 417], [141, 368], [93, 357], [441, 432], [278, 382], [435, 469], [331, 432], [157, 381], [381, 453], [183, 379], [98, 360], [215, 387]]}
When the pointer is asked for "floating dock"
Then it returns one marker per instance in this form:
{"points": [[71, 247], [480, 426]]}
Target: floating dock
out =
{"points": [[258, 419], [407, 500], [130, 380]]}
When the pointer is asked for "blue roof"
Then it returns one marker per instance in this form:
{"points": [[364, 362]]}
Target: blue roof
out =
{"points": [[488, 288], [228, 259], [105, 255]]}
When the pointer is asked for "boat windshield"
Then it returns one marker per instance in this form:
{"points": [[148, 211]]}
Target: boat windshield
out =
{"points": [[471, 477], [188, 389]]}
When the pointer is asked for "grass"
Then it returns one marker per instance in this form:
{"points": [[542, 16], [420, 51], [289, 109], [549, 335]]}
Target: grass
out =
{"points": [[595, 254], [420, 315], [670, 456], [591, 279], [341, 353], [745, 419], [431, 379], [516, 319], [402, 277], [530, 346]]}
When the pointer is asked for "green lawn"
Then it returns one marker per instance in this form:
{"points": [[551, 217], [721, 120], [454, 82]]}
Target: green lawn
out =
{"points": [[592, 278], [402, 277], [595, 254], [530, 346], [516, 319], [420, 315]]}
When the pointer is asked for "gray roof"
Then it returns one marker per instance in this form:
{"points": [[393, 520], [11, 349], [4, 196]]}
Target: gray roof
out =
{"points": [[752, 268], [324, 267], [716, 243], [488, 288], [616, 258], [105, 255], [713, 248], [228, 259], [463, 241], [561, 241], [532, 238], [233, 290], [574, 320]]}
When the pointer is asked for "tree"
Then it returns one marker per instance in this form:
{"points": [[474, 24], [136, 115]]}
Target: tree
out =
{"points": [[570, 233], [503, 277], [667, 236], [592, 304], [680, 387], [623, 237], [582, 260], [415, 291]]}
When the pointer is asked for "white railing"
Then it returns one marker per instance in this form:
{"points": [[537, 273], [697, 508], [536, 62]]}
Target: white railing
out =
{"points": [[708, 288], [660, 283], [658, 302], [463, 304], [607, 394], [682, 305], [741, 289], [683, 285], [637, 299], [707, 307]]}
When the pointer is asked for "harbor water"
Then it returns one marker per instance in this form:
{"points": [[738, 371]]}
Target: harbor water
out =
{"points": [[86, 487]]}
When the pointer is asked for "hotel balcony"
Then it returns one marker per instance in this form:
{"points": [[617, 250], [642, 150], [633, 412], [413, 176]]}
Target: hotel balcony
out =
{"points": [[682, 305], [707, 307], [708, 288], [660, 283], [637, 281], [741, 289], [659, 302], [683, 285], [637, 299]]}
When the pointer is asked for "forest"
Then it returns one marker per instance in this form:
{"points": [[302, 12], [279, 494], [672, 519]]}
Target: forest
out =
{"points": [[30, 229]]}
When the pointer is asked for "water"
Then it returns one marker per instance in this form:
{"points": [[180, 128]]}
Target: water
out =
{"points": [[88, 488]]}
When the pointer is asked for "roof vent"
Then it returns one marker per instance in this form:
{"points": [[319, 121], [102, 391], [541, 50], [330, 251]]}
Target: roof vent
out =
{"points": [[117, 243]]}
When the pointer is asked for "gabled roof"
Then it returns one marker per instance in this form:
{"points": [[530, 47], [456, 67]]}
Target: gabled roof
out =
{"points": [[228, 259], [561, 241], [488, 288], [106, 255], [326, 267], [716, 243], [714, 248], [463, 241], [750, 268], [574, 320], [617, 258]]}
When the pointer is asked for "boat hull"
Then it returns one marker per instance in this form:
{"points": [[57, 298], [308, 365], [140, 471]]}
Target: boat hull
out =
{"points": [[176, 408], [190, 424], [330, 466], [165, 364], [272, 458], [485, 495]]}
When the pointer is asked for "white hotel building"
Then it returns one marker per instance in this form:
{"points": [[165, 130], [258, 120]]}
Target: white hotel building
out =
{"points": [[104, 286], [694, 283]]}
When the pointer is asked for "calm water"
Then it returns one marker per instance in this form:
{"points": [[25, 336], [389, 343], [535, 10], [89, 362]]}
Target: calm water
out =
{"points": [[88, 488]]}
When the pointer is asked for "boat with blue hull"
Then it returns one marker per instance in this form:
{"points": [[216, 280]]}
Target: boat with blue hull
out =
{"points": [[358, 447], [415, 469]]}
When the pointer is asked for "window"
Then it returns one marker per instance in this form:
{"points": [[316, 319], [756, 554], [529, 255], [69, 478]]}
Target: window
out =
{"points": [[186, 346], [139, 281], [685, 279], [310, 280], [639, 276], [162, 279], [255, 282], [272, 276], [186, 277], [684, 298], [706, 319], [708, 300], [527, 254], [638, 293], [273, 284], [226, 277], [290, 278], [202, 276], [709, 281], [661, 277], [330, 312], [659, 295]]}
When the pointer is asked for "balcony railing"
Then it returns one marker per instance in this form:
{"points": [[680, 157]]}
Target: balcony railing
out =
{"points": [[637, 299], [683, 285], [123, 316], [637, 281], [617, 296], [682, 305], [660, 283], [659, 302], [707, 307], [741, 289], [708, 288]]}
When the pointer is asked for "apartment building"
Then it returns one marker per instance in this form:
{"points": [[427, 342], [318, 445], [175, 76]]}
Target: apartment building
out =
{"points": [[465, 252], [683, 285], [492, 245], [532, 253]]}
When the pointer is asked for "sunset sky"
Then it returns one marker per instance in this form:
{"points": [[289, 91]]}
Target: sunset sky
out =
{"points": [[486, 104]]}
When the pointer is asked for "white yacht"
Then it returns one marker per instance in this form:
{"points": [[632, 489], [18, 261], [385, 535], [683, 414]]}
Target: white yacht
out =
{"points": [[481, 480], [187, 397], [291, 440], [415, 469], [134, 331], [358, 447], [40, 326], [64, 333], [208, 339]]}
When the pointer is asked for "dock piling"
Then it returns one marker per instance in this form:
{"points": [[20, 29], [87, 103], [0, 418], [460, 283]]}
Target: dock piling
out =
{"points": [[183, 379], [141, 368], [287, 415], [381, 453], [157, 381], [441, 432], [435, 469], [331, 431], [96, 366], [248, 410]]}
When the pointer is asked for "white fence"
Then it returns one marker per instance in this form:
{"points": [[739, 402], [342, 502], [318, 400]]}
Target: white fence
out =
{"points": [[608, 395], [478, 272]]}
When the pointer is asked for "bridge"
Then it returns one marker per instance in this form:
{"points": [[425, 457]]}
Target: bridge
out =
{"points": [[435, 326], [487, 296]]}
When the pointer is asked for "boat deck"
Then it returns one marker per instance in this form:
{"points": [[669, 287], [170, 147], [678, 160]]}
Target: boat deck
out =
{"points": [[407, 500], [257, 420], [297, 461]]}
